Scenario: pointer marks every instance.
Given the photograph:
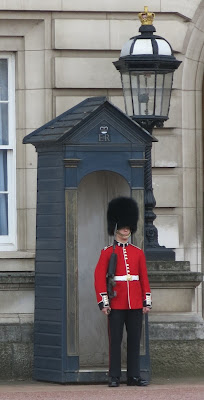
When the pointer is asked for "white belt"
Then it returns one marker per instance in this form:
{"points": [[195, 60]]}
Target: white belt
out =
{"points": [[127, 278]]}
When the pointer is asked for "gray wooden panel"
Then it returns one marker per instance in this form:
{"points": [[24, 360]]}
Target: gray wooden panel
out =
{"points": [[45, 351], [72, 271]]}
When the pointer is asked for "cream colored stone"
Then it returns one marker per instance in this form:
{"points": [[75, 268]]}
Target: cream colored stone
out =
{"points": [[21, 228], [17, 301], [20, 149], [31, 188], [167, 150], [31, 156], [118, 101], [21, 190], [178, 73], [20, 70], [31, 229], [48, 105], [35, 36], [191, 255], [195, 45], [179, 254], [86, 73], [199, 75], [48, 54], [168, 230], [64, 103], [188, 150], [173, 300], [175, 112], [35, 108], [198, 18], [190, 231], [189, 187], [16, 26], [107, 5], [17, 265], [31, 5], [190, 70], [198, 107], [166, 190], [68, 34], [188, 109], [34, 69], [183, 7], [11, 43], [122, 30], [20, 109]]}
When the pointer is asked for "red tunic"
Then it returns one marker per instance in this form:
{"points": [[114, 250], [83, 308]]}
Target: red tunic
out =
{"points": [[129, 294]]}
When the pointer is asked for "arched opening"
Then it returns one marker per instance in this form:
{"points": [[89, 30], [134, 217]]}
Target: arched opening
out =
{"points": [[94, 192]]}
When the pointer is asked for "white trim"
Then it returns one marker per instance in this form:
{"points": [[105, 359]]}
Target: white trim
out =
{"points": [[9, 242]]}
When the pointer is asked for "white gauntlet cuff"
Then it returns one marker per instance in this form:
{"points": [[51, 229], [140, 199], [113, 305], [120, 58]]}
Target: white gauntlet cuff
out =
{"points": [[148, 300], [104, 302]]}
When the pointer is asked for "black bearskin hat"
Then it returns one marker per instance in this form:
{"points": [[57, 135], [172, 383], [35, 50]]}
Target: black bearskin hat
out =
{"points": [[122, 211]]}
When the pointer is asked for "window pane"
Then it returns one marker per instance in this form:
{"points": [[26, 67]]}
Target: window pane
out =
{"points": [[3, 79], [3, 214], [3, 124], [3, 171]]}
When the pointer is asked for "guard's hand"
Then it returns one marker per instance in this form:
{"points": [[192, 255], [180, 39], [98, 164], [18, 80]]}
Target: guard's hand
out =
{"points": [[106, 310], [146, 310]]}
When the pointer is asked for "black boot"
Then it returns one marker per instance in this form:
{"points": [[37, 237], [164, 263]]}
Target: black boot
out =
{"points": [[114, 382], [136, 381]]}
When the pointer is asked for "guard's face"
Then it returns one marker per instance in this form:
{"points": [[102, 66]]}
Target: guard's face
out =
{"points": [[124, 233]]}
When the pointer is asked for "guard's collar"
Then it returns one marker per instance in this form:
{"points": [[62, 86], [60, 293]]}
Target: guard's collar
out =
{"points": [[121, 244]]}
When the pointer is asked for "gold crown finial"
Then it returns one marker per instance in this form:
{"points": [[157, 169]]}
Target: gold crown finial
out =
{"points": [[146, 17]]}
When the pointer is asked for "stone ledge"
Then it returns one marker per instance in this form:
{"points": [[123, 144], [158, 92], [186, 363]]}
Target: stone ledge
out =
{"points": [[173, 273], [168, 266], [16, 280], [172, 331], [16, 254]]}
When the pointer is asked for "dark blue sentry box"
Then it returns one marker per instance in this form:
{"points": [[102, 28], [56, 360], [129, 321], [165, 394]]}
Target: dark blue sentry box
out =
{"points": [[92, 136]]}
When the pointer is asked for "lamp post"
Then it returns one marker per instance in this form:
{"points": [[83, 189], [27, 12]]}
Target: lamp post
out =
{"points": [[147, 65]]}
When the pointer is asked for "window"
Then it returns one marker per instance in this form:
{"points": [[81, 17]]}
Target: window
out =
{"points": [[7, 153]]}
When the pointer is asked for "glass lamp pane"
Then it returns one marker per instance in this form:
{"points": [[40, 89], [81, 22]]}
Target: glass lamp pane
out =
{"points": [[159, 94], [125, 77], [3, 79], [168, 81], [134, 85], [146, 93], [3, 214], [4, 123]]}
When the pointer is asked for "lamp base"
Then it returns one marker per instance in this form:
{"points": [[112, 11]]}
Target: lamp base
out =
{"points": [[159, 253]]}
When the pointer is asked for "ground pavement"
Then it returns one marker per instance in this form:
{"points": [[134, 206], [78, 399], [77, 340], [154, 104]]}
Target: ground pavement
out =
{"points": [[165, 389]]}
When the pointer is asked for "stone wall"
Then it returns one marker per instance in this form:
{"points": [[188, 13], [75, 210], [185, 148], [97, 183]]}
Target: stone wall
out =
{"points": [[63, 54]]}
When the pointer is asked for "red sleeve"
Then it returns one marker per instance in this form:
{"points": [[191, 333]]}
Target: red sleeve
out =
{"points": [[100, 280], [146, 292]]}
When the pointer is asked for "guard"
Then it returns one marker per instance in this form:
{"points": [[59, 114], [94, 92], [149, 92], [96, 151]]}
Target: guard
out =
{"points": [[130, 296]]}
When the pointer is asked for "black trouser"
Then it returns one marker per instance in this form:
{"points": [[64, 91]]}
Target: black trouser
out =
{"points": [[133, 322]]}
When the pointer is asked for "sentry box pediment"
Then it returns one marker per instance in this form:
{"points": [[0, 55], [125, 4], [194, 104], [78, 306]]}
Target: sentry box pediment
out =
{"points": [[84, 123], [94, 135], [92, 138]]}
